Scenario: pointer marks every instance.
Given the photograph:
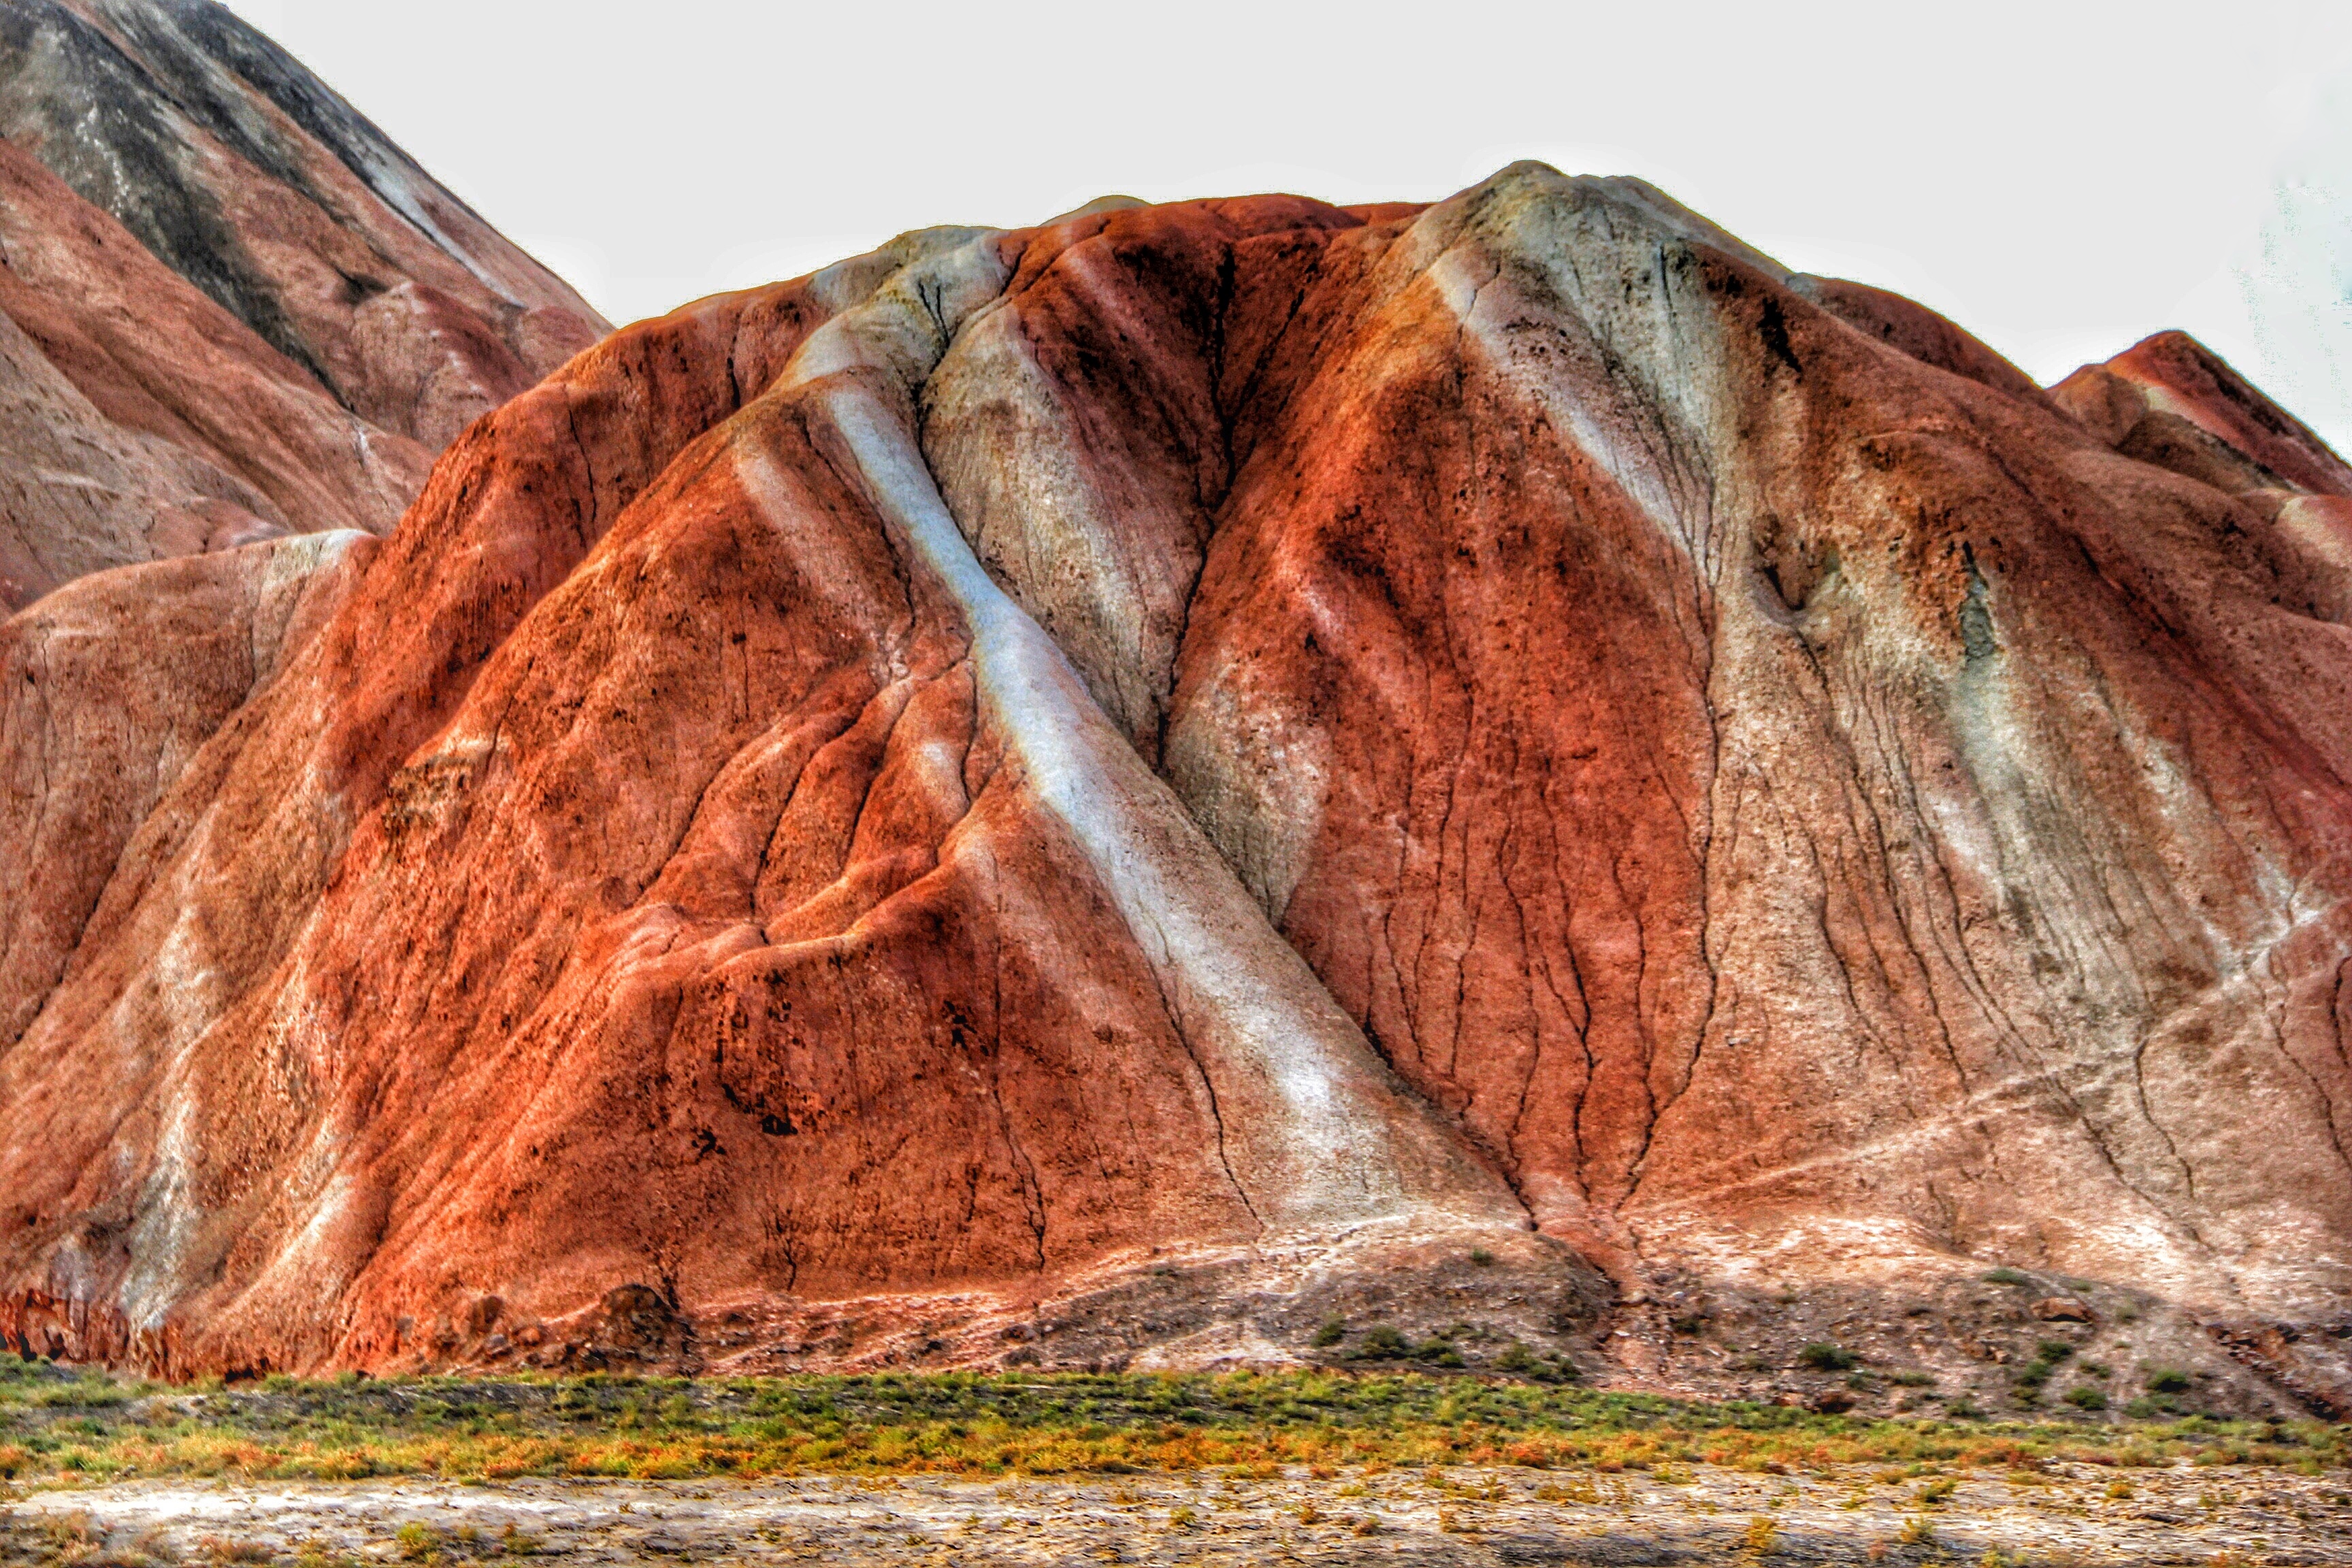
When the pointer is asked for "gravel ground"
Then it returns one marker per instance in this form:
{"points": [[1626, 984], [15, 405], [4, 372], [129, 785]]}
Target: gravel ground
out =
{"points": [[2067, 1517]]}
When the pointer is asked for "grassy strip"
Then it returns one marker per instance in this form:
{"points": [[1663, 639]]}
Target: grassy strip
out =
{"points": [[56, 1428]]}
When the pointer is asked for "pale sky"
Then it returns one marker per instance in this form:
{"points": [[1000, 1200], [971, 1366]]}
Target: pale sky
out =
{"points": [[2059, 177]]}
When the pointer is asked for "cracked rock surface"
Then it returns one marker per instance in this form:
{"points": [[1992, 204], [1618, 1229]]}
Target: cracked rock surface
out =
{"points": [[1109, 792]]}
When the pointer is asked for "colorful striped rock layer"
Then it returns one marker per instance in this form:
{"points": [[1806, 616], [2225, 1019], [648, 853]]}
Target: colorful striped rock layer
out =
{"points": [[1124, 791]]}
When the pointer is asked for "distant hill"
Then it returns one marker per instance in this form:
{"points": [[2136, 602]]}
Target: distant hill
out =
{"points": [[229, 308]]}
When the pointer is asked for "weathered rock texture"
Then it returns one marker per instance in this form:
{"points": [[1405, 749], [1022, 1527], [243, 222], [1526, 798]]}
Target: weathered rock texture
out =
{"points": [[228, 308], [1150, 778]]}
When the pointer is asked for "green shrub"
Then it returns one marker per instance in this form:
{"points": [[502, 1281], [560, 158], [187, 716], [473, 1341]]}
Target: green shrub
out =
{"points": [[1333, 1331], [1380, 1340], [2054, 1350], [2010, 1277], [2087, 1398], [2165, 1380], [1822, 1357]]}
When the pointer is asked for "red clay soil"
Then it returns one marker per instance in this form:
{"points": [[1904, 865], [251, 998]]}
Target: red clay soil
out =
{"points": [[1153, 776]]}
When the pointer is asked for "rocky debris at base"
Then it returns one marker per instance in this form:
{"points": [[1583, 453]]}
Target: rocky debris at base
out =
{"points": [[2062, 1309]]}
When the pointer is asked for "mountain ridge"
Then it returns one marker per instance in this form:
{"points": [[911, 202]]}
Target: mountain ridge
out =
{"points": [[1688, 731]]}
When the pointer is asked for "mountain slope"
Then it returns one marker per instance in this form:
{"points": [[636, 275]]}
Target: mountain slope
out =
{"points": [[1119, 789], [232, 310], [249, 177]]}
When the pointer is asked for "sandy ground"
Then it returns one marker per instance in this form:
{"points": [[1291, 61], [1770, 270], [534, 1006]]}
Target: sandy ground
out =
{"points": [[2210, 1516]]}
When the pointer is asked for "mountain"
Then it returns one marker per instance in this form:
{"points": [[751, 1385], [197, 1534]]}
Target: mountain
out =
{"points": [[1114, 793], [229, 308]]}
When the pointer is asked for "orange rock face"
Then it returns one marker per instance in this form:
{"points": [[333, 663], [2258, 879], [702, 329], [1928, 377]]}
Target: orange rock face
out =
{"points": [[1109, 791], [228, 309]]}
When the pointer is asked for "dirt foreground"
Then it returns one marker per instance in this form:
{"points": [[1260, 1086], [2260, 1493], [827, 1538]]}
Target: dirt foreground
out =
{"points": [[2073, 1516]]}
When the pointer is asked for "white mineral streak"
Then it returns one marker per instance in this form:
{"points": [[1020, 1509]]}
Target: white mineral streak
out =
{"points": [[1315, 1132], [1095, 576]]}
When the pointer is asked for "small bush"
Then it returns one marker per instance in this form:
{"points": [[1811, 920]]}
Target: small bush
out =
{"points": [[2054, 1350], [68, 1530], [1333, 1331], [2165, 1380], [1911, 1379], [418, 1540], [1480, 1257], [1823, 1357], [2012, 1277], [1382, 1340], [1183, 1518], [1762, 1535], [1918, 1531], [1515, 1358], [2087, 1398], [93, 1393]]}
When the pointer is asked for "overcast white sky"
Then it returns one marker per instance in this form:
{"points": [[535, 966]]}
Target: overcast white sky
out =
{"points": [[2060, 177]]}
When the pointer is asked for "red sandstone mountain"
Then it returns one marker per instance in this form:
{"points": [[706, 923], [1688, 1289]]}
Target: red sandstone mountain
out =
{"points": [[228, 308], [1112, 791]]}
